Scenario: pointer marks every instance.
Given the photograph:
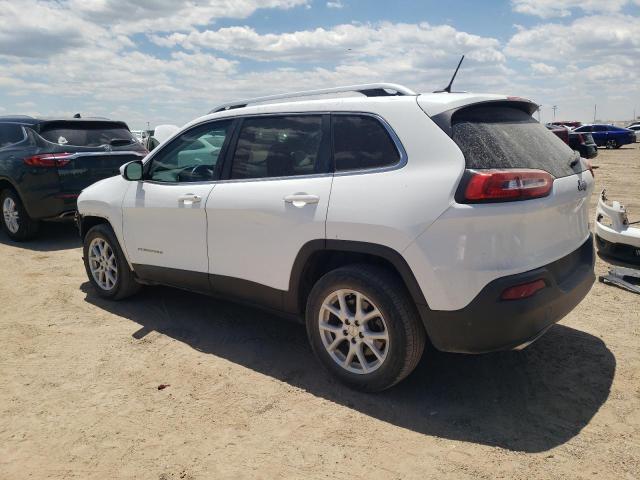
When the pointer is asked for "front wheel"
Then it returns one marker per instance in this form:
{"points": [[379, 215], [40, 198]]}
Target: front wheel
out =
{"points": [[363, 327], [612, 144], [15, 219], [106, 266]]}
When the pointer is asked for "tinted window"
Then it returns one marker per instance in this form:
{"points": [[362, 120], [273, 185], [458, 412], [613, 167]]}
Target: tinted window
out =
{"points": [[599, 128], [361, 142], [87, 134], [192, 157], [10, 134], [583, 129], [280, 147], [505, 137]]}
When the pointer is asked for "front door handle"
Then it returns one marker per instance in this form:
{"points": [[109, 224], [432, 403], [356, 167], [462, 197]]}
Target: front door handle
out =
{"points": [[189, 199], [301, 199]]}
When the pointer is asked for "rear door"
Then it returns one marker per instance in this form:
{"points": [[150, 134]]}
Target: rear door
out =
{"points": [[273, 200], [164, 217], [89, 150]]}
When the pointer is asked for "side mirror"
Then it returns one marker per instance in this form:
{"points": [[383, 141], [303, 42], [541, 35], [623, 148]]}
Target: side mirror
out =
{"points": [[132, 171]]}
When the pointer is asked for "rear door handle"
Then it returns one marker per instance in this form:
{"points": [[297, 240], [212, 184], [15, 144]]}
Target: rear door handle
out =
{"points": [[301, 199], [189, 199]]}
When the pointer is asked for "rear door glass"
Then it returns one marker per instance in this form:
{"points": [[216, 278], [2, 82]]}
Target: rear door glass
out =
{"points": [[492, 136], [280, 146], [87, 134]]}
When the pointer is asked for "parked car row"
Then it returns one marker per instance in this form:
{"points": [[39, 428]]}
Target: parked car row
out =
{"points": [[583, 143], [608, 135]]}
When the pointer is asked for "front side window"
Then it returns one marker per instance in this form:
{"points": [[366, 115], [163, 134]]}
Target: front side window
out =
{"points": [[362, 142], [280, 146], [194, 156], [10, 135]]}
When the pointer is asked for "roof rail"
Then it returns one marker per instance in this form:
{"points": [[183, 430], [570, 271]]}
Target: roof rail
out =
{"points": [[368, 89]]}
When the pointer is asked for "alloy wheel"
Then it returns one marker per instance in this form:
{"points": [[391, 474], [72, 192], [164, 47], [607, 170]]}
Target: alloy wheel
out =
{"points": [[10, 214], [102, 263], [353, 331]]}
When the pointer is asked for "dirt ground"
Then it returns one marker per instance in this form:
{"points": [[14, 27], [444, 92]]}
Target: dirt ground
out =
{"points": [[79, 381]]}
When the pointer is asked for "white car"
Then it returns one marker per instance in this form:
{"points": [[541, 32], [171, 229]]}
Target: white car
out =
{"points": [[381, 219]]}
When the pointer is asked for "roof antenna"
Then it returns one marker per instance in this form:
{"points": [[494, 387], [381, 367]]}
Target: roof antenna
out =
{"points": [[448, 87]]}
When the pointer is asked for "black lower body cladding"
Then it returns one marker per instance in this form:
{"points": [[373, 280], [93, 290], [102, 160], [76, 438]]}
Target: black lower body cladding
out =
{"points": [[490, 324]]}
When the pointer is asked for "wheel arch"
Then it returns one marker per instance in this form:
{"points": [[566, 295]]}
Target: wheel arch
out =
{"points": [[86, 223], [318, 257]]}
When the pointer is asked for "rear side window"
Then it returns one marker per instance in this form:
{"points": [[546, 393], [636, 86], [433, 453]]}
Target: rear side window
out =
{"points": [[87, 134], [492, 136], [281, 146], [362, 142], [10, 134]]}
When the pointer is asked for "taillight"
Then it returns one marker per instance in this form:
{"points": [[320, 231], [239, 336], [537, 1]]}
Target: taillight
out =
{"points": [[523, 291], [482, 186], [48, 160]]}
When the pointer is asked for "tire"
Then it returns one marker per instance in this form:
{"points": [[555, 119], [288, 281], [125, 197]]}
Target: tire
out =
{"points": [[612, 144], [15, 219], [380, 289], [109, 274]]}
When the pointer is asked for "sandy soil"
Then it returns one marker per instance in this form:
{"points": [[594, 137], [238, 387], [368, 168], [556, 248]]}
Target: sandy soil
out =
{"points": [[79, 384]]}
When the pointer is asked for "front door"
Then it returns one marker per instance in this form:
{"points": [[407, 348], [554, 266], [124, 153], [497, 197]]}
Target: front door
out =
{"points": [[164, 216]]}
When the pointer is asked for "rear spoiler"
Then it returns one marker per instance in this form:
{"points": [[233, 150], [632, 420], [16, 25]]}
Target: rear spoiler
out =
{"points": [[444, 119]]}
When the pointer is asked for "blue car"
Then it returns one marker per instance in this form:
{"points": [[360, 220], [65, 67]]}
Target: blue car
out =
{"points": [[608, 135]]}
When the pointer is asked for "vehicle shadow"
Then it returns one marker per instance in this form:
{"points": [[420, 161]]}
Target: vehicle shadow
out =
{"points": [[52, 236], [530, 401]]}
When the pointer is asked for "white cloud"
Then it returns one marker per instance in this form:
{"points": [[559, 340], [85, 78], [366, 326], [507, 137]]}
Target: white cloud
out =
{"points": [[543, 68], [421, 43], [169, 15], [587, 39], [563, 8], [335, 4]]}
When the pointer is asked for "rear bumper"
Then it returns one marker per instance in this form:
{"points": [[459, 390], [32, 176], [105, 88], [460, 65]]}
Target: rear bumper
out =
{"points": [[489, 323]]}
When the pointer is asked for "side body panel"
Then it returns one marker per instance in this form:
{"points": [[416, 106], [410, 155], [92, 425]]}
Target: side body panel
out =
{"points": [[392, 207]]}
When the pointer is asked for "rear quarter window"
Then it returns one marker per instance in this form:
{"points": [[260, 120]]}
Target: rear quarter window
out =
{"points": [[492, 136], [10, 135], [362, 142]]}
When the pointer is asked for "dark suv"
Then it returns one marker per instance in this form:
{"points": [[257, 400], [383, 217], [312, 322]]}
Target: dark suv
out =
{"points": [[45, 164]]}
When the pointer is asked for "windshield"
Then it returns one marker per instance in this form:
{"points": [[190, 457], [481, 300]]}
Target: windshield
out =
{"points": [[496, 136]]}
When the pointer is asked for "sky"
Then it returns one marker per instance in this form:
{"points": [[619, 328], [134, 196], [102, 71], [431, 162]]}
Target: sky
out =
{"points": [[170, 61]]}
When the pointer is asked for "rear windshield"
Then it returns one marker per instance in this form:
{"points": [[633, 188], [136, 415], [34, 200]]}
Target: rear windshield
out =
{"points": [[492, 136], [87, 134]]}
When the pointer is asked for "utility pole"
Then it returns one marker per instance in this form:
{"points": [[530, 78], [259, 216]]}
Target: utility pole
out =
{"points": [[595, 113], [554, 108], [539, 112]]}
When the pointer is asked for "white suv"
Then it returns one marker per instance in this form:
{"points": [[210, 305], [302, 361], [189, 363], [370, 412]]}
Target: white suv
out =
{"points": [[381, 219]]}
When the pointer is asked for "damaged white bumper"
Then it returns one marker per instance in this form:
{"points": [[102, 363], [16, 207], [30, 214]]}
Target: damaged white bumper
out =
{"points": [[614, 235]]}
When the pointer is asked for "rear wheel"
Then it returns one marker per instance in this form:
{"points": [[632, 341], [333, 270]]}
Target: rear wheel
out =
{"points": [[612, 144], [15, 219], [106, 266], [364, 328]]}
